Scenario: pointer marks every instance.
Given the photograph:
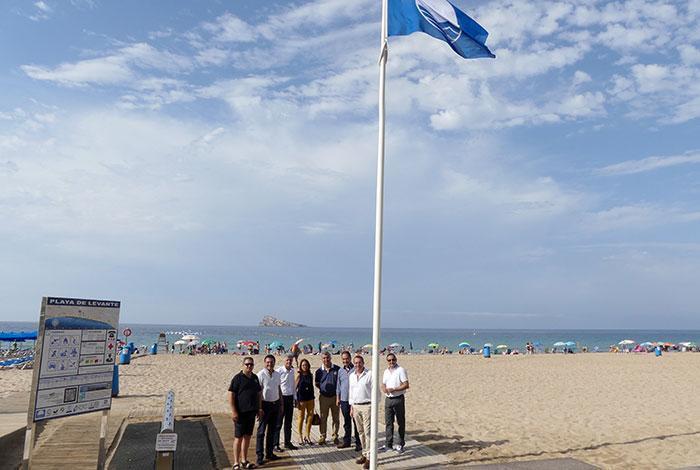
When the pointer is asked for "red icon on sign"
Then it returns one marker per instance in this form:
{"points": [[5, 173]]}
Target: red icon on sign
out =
{"points": [[127, 332]]}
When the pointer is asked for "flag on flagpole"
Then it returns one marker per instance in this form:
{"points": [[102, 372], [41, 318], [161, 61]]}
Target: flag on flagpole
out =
{"points": [[442, 20]]}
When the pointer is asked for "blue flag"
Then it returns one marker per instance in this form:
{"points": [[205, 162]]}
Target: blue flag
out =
{"points": [[442, 20]]}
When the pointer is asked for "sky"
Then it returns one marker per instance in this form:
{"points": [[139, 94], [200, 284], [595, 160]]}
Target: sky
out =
{"points": [[213, 162]]}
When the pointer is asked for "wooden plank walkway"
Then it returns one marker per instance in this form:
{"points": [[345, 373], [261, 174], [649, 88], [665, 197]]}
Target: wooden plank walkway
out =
{"points": [[72, 442], [329, 457]]}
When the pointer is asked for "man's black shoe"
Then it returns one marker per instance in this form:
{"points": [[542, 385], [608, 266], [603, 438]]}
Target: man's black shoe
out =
{"points": [[343, 445], [358, 449], [290, 446], [279, 449], [259, 462], [273, 457]]}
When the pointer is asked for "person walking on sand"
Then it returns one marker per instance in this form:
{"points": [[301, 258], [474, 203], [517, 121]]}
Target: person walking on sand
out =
{"points": [[304, 394], [343, 391], [287, 385], [326, 380], [245, 399], [360, 399], [394, 386], [271, 408]]}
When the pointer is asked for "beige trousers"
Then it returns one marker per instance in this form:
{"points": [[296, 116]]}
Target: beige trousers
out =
{"points": [[362, 415]]}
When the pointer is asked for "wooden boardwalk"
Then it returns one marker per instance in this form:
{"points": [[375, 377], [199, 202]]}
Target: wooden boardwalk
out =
{"points": [[328, 456], [72, 443]]}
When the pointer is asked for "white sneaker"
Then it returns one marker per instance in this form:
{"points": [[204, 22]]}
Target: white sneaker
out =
{"points": [[398, 449], [382, 448]]}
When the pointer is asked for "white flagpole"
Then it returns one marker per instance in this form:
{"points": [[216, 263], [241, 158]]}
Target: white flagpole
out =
{"points": [[377, 304]]}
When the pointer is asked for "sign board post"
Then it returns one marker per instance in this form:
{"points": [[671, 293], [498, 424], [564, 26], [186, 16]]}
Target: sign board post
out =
{"points": [[76, 351]]}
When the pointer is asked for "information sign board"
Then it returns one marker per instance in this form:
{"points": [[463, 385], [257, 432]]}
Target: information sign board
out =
{"points": [[166, 442], [77, 344]]}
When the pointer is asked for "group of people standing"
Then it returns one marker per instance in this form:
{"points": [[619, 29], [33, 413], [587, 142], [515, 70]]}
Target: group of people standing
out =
{"points": [[272, 394]]}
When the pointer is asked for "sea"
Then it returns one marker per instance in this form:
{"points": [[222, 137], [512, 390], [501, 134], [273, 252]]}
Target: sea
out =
{"points": [[413, 339]]}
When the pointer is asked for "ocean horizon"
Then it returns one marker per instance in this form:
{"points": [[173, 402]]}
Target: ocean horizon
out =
{"points": [[416, 339]]}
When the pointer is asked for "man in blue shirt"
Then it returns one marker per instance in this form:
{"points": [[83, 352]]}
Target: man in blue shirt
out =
{"points": [[326, 380], [343, 397]]}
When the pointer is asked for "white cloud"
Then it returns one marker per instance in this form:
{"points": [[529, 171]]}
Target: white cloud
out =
{"points": [[43, 11], [120, 67], [689, 55], [230, 28], [649, 164], [318, 228], [635, 217]]}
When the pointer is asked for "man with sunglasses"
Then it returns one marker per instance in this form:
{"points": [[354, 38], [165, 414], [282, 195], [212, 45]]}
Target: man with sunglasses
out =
{"points": [[245, 398], [394, 386]]}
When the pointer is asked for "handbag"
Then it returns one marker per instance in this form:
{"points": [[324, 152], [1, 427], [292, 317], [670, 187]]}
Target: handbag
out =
{"points": [[315, 419]]}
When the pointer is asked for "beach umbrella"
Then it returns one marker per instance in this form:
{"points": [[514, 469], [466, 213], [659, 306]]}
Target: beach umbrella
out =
{"points": [[193, 343], [464, 344], [208, 342], [190, 338], [688, 344], [626, 342], [502, 346], [395, 345], [276, 344], [433, 345], [570, 344], [489, 345], [559, 344], [297, 342], [180, 342], [367, 346]]}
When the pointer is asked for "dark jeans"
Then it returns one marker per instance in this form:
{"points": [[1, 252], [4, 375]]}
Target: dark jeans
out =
{"points": [[395, 407], [286, 416], [268, 422], [347, 427]]}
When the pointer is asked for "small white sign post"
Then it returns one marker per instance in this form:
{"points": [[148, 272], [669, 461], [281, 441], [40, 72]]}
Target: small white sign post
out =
{"points": [[76, 350]]}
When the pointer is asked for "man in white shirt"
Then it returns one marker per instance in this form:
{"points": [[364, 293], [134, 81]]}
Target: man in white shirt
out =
{"points": [[360, 398], [270, 382], [287, 386], [394, 386]]}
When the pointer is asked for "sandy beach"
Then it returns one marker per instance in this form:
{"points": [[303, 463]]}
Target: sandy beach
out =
{"points": [[609, 410]]}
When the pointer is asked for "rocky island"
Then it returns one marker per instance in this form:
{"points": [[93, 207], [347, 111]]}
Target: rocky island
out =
{"points": [[269, 320]]}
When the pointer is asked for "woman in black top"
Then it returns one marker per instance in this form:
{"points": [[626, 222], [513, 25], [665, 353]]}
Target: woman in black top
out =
{"points": [[305, 399]]}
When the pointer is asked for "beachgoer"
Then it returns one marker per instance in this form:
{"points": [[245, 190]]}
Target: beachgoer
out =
{"points": [[326, 380], [394, 385], [295, 351], [343, 391], [304, 393], [287, 385], [360, 398], [271, 408], [245, 398]]}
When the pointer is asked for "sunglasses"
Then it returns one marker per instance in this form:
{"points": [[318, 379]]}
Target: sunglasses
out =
{"points": [[248, 364], [391, 360]]}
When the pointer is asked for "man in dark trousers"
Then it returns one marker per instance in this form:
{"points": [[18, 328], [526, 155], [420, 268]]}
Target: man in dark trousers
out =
{"points": [[326, 380], [285, 419], [394, 386], [244, 397], [271, 408], [343, 401]]}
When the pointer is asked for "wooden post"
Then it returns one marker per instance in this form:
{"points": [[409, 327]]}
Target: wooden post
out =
{"points": [[102, 452]]}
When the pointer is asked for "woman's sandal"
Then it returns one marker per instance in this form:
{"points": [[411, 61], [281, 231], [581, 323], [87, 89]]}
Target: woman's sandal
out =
{"points": [[247, 464], [236, 466]]}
